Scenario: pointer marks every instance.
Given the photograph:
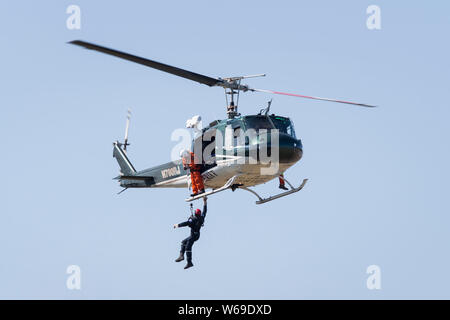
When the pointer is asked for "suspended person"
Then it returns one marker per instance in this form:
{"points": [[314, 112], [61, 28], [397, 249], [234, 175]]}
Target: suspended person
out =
{"points": [[195, 222]]}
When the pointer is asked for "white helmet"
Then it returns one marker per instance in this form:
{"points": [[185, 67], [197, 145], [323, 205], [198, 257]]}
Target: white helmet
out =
{"points": [[184, 153]]}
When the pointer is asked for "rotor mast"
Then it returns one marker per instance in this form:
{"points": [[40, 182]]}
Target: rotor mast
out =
{"points": [[233, 87]]}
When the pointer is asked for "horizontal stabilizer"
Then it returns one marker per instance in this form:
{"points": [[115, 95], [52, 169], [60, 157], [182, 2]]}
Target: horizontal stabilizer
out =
{"points": [[140, 178]]}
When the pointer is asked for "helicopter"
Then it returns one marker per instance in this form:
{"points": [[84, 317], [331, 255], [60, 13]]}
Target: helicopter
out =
{"points": [[240, 150]]}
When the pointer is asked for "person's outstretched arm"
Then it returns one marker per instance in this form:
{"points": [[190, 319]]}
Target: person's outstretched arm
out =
{"points": [[183, 224], [204, 206]]}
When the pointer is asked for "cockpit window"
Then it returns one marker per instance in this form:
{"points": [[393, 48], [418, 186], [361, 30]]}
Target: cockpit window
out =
{"points": [[285, 125], [258, 122]]}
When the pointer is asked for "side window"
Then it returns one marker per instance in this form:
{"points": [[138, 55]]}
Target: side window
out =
{"points": [[220, 134], [236, 133], [291, 129], [237, 143], [209, 146]]}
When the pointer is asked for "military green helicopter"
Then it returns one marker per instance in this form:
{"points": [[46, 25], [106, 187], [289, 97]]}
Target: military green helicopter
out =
{"points": [[240, 151]]}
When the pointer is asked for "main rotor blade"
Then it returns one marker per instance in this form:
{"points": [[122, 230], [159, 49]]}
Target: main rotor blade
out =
{"points": [[314, 98], [151, 63]]}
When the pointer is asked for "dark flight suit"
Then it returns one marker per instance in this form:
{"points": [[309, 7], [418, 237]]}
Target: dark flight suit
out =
{"points": [[195, 223]]}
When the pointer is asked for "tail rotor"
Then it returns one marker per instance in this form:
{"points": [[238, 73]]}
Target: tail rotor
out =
{"points": [[125, 142]]}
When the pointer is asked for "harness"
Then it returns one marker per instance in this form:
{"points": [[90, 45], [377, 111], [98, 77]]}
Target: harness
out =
{"points": [[193, 215]]}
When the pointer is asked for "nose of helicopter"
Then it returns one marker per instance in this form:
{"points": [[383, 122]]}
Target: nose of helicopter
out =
{"points": [[291, 149]]}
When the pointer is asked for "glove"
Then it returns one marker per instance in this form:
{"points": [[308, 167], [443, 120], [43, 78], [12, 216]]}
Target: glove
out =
{"points": [[175, 226]]}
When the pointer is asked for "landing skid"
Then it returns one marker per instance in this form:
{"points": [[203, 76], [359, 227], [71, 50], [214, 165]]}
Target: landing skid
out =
{"points": [[230, 185], [226, 186], [283, 194]]}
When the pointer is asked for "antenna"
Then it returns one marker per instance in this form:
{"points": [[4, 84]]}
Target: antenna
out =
{"points": [[266, 109], [125, 143], [269, 103]]}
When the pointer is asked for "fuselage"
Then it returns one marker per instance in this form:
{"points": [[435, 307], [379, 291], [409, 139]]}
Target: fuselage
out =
{"points": [[255, 148]]}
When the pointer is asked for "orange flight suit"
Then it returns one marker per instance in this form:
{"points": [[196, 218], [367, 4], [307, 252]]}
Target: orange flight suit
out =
{"points": [[196, 176]]}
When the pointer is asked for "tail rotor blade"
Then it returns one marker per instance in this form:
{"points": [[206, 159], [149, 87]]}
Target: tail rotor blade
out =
{"points": [[313, 98], [125, 144]]}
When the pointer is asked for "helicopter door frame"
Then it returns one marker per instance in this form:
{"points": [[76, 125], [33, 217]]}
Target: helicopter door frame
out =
{"points": [[236, 124], [205, 143]]}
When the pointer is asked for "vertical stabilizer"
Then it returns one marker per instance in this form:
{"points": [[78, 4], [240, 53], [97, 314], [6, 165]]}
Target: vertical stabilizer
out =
{"points": [[126, 168]]}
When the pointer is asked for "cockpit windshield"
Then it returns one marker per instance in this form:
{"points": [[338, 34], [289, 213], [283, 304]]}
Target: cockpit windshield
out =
{"points": [[258, 122], [283, 124]]}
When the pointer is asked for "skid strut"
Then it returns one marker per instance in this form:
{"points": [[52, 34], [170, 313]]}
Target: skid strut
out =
{"points": [[226, 186], [283, 194]]}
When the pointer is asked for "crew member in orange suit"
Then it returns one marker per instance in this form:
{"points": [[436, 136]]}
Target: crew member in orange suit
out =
{"points": [[191, 161]]}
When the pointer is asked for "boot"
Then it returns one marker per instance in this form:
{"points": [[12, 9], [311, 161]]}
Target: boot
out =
{"points": [[189, 260], [282, 186], [181, 257]]}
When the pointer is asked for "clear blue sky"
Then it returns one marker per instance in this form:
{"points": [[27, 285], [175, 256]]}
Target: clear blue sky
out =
{"points": [[378, 189]]}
